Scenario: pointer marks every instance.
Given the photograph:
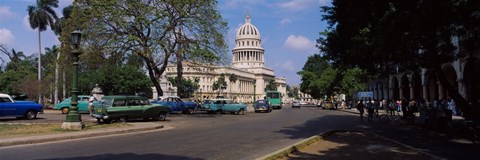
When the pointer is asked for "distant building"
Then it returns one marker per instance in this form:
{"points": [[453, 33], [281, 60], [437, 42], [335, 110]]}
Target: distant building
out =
{"points": [[248, 66]]}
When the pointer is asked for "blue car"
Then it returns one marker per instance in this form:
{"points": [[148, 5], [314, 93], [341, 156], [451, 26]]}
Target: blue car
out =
{"points": [[19, 109], [176, 104], [224, 106]]}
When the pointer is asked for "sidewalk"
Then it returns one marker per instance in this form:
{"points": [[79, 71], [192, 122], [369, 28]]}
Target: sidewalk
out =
{"points": [[136, 127]]}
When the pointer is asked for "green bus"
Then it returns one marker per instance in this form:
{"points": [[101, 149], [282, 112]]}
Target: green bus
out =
{"points": [[274, 98]]}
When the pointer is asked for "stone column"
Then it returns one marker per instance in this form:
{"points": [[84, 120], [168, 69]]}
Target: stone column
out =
{"points": [[440, 90]]}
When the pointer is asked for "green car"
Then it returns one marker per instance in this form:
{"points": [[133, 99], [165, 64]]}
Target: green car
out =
{"points": [[64, 106], [122, 108]]}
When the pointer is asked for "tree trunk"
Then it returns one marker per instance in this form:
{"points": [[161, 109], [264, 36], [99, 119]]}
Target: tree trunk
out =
{"points": [[179, 73], [64, 85], [153, 78], [55, 94], [39, 68]]}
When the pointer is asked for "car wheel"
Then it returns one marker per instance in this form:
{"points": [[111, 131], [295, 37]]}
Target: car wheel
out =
{"points": [[107, 121], [162, 116], [123, 119], [219, 111], [241, 112], [31, 115], [65, 110], [189, 110]]}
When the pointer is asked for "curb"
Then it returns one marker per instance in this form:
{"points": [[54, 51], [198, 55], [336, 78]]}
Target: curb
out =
{"points": [[285, 152], [282, 153], [74, 135]]}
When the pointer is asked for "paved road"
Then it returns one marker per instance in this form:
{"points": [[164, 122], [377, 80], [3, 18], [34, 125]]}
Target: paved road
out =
{"points": [[226, 136], [198, 136]]}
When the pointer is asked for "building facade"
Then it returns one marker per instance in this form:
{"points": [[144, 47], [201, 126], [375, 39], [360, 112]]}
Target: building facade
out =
{"points": [[248, 66], [463, 74]]}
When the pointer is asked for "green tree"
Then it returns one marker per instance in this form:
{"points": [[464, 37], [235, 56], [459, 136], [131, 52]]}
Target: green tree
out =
{"points": [[220, 84], [189, 86], [40, 16], [271, 86], [393, 35], [155, 31]]}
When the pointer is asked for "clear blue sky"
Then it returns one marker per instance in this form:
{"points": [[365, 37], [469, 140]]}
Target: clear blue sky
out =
{"points": [[288, 28]]}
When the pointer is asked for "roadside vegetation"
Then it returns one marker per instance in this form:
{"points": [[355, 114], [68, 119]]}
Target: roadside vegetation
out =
{"points": [[24, 130]]}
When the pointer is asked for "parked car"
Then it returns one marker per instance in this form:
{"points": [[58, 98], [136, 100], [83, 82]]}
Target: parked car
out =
{"points": [[19, 109], [82, 105], [262, 105], [122, 108], [295, 103], [176, 104], [223, 106]]}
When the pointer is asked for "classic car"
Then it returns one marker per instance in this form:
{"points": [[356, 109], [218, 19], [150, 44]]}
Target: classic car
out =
{"points": [[64, 106], [262, 105], [224, 106], [328, 104], [295, 103], [176, 104], [122, 108], [19, 109]]}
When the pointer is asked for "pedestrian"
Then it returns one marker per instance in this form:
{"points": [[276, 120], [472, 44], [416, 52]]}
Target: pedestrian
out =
{"points": [[391, 107], [399, 105], [376, 105], [452, 106], [370, 110], [90, 105], [361, 109]]}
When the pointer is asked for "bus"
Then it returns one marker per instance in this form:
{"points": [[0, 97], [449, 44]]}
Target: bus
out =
{"points": [[274, 98]]}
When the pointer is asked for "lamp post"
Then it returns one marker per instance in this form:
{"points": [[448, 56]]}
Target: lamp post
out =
{"points": [[254, 89], [73, 120]]}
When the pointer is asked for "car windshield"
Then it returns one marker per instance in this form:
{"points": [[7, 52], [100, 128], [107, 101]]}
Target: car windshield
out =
{"points": [[105, 102]]}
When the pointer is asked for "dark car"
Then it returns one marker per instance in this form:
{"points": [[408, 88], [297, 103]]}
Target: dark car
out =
{"points": [[122, 108], [296, 104], [262, 106]]}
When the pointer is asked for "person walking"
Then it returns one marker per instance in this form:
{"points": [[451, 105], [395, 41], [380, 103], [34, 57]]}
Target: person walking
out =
{"points": [[361, 109], [376, 105], [370, 110], [90, 105]]}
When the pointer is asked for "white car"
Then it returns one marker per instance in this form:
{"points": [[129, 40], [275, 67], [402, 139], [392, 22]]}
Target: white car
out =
{"points": [[295, 104]]}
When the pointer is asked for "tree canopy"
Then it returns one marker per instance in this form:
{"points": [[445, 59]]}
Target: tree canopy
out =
{"points": [[156, 31], [384, 37]]}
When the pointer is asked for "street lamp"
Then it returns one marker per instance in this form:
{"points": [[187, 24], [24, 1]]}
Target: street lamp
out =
{"points": [[73, 120], [254, 89]]}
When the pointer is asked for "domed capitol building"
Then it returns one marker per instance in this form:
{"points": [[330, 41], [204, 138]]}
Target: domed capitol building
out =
{"points": [[248, 66]]}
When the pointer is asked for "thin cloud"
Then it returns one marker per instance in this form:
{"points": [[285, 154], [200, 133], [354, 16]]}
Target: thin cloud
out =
{"points": [[5, 13], [285, 21], [299, 44], [297, 5], [288, 66], [234, 4], [6, 37]]}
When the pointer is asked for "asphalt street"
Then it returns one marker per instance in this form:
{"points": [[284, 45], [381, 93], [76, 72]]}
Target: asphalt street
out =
{"points": [[227, 136]]}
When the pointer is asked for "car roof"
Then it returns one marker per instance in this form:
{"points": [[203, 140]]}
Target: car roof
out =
{"points": [[4, 95], [123, 97]]}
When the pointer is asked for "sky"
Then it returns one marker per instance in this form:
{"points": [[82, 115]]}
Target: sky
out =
{"points": [[288, 28]]}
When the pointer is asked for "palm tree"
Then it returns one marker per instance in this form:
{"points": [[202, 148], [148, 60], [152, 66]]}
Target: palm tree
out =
{"points": [[59, 27], [40, 16], [55, 51], [232, 78]]}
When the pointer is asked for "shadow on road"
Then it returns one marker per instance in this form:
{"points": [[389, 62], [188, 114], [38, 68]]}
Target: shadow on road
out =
{"points": [[128, 156]]}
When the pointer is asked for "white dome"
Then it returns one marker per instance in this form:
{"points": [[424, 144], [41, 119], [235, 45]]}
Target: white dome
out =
{"points": [[248, 30]]}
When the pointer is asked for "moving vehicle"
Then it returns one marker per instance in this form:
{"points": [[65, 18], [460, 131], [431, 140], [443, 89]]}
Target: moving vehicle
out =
{"points": [[262, 105], [295, 103], [223, 106], [122, 108], [82, 105], [328, 104], [275, 99], [176, 104], [19, 109]]}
